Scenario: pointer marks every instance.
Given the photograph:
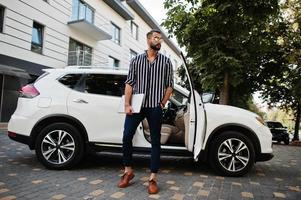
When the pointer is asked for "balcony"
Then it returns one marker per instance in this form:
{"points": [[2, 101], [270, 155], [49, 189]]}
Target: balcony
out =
{"points": [[120, 9], [89, 29], [79, 57], [82, 20]]}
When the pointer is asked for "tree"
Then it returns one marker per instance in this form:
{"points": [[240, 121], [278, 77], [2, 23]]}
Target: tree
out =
{"points": [[228, 41], [285, 91]]}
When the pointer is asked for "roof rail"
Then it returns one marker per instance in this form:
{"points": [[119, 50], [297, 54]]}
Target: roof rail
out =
{"points": [[95, 67]]}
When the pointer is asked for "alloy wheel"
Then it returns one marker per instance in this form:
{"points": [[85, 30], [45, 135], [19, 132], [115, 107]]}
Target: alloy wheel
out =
{"points": [[233, 154], [58, 147]]}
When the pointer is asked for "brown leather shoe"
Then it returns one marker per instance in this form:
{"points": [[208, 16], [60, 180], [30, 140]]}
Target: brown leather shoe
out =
{"points": [[125, 180], [152, 187]]}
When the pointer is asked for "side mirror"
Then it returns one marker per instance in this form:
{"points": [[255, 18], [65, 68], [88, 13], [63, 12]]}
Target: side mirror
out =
{"points": [[208, 97]]}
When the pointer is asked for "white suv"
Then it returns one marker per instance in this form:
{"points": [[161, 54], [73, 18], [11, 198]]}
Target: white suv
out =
{"points": [[69, 111]]}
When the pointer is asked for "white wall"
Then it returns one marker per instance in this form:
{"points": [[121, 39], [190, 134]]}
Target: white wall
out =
{"points": [[15, 41], [16, 38]]}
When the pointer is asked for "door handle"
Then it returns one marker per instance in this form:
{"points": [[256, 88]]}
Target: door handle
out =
{"points": [[79, 101]]}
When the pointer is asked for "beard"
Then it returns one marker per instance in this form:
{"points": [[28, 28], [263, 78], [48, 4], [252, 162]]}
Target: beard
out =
{"points": [[155, 47]]}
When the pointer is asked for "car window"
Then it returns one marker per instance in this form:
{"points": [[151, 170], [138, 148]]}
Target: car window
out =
{"points": [[106, 84], [70, 80]]}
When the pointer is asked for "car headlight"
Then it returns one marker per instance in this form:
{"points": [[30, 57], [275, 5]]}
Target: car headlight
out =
{"points": [[260, 120]]}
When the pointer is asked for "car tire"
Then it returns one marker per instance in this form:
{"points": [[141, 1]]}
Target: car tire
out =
{"points": [[287, 141], [59, 146], [236, 160]]}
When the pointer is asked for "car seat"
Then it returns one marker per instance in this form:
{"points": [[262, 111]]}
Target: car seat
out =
{"points": [[166, 131]]}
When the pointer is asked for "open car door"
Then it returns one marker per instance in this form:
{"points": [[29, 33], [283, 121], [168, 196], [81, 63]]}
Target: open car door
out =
{"points": [[197, 117]]}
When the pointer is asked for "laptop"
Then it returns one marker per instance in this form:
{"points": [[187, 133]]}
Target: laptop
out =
{"points": [[136, 103]]}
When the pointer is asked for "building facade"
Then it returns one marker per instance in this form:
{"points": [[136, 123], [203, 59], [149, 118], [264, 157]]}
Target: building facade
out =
{"points": [[58, 33]]}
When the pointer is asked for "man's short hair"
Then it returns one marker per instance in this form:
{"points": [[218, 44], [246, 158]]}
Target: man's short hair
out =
{"points": [[150, 33]]}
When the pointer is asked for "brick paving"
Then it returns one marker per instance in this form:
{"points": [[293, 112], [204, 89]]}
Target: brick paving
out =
{"points": [[23, 177]]}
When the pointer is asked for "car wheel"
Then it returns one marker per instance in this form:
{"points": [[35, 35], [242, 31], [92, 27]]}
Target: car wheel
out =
{"points": [[59, 146], [286, 141], [231, 154]]}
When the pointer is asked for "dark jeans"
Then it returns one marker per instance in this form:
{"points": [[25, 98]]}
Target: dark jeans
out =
{"points": [[154, 118]]}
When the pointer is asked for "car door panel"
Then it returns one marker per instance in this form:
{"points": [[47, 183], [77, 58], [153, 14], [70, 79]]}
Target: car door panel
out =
{"points": [[96, 106], [99, 115], [196, 119]]}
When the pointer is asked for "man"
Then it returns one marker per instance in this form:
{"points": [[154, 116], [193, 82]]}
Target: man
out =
{"points": [[150, 73]]}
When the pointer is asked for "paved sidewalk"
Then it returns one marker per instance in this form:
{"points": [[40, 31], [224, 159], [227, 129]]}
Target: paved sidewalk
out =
{"points": [[3, 126], [23, 177]]}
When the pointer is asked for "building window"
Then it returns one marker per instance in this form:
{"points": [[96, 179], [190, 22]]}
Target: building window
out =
{"points": [[2, 9], [37, 37], [79, 53], [115, 34], [113, 62], [132, 54], [134, 30], [81, 10]]}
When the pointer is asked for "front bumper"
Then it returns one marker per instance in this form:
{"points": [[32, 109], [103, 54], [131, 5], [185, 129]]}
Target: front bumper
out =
{"points": [[280, 137]]}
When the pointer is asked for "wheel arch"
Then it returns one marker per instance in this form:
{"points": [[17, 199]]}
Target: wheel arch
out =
{"points": [[232, 127], [57, 118]]}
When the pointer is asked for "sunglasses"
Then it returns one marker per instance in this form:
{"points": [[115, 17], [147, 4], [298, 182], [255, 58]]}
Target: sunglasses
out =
{"points": [[158, 39]]}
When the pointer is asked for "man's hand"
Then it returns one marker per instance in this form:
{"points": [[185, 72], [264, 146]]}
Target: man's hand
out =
{"points": [[162, 104], [166, 97], [128, 95], [128, 109]]}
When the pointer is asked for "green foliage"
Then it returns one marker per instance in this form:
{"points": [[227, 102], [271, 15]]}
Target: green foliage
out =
{"points": [[284, 91], [226, 36], [257, 43], [253, 107]]}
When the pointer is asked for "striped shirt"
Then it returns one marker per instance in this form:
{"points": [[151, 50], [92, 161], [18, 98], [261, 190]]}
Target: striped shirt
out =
{"points": [[150, 78]]}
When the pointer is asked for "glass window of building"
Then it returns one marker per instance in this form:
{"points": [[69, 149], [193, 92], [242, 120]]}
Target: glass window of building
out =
{"points": [[79, 53], [134, 30], [81, 10], [2, 9], [37, 37], [132, 54], [116, 34], [113, 62]]}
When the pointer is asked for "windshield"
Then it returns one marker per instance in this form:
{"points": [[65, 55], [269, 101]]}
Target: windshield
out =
{"points": [[179, 98], [274, 125]]}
